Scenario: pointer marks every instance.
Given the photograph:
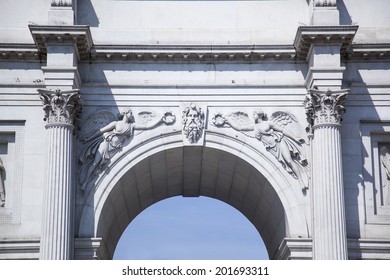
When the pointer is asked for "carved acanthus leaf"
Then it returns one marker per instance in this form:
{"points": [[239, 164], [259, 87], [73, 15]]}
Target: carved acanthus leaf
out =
{"points": [[61, 106], [325, 107]]}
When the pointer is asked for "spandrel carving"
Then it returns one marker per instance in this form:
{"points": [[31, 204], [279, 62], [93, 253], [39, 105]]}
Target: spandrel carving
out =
{"points": [[2, 186], [107, 140], [281, 135]]}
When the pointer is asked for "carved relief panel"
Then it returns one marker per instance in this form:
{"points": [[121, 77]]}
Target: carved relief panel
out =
{"points": [[384, 170], [104, 135], [376, 171], [280, 134], [11, 170]]}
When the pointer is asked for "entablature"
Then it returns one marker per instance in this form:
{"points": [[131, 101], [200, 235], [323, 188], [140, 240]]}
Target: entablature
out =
{"points": [[306, 37]]}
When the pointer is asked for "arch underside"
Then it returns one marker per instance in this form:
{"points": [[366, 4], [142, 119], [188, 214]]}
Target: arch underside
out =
{"points": [[192, 172]]}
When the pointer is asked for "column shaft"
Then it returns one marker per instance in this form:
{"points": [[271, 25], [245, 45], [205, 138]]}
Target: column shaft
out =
{"points": [[62, 109], [56, 242], [330, 240]]}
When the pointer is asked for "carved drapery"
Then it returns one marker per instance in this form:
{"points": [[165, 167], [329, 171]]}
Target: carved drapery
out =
{"points": [[281, 135], [325, 3], [324, 107], [61, 107], [104, 136]]}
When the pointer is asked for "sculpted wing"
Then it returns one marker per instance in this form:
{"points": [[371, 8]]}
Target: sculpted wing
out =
{"points": [[288, 122], [95, 122], [238, 119]]}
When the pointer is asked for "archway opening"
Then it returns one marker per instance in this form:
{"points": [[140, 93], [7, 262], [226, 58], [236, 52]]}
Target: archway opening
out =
{"points": [[190, 229], [193, 172]]}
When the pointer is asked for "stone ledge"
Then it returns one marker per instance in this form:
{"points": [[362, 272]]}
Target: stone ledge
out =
{"points": [[308, 35], [78, 35], [19, 249]]}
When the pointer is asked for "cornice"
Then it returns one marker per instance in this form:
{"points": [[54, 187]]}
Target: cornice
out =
{"points": [[78, 35], [306, 36], [19, 52], [309, 35], [372, 52], [193, 53]]}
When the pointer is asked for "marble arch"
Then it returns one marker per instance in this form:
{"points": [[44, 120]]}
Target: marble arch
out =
{"points": [[322, 64], [258, 188]]}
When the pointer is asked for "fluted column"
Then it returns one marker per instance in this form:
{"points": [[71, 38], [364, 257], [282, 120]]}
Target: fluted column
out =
{"points": [[324, 110], [61, 110]]}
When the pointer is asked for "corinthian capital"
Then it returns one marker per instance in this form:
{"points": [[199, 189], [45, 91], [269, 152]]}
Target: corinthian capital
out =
{"points": [[325, 3], [61, 107], [325, 107]]}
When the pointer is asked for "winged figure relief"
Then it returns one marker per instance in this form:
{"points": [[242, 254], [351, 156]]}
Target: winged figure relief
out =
{"points": [[280, 134], [105, 136]]}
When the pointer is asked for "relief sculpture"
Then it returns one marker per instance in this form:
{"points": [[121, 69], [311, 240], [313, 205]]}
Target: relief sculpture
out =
{"points": [[281, 136], [2, 187], [193, 123], [105, 142], [385, 162]]}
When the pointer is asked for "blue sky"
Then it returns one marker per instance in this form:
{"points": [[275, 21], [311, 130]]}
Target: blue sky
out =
{"points": [[189, 229]]}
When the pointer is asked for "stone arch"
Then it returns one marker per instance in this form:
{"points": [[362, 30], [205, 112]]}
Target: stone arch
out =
{"points": [[225, 168]]}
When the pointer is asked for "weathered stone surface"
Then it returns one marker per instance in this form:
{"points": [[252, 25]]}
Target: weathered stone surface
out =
{"points": [[184, 68]]}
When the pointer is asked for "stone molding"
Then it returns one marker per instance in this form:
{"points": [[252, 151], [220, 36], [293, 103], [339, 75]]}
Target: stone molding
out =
{"points": [[61, 3], [309, 35], [193, 53], [19, 249], [325, 107], [325, 3], [61, 107], [77, 35]]}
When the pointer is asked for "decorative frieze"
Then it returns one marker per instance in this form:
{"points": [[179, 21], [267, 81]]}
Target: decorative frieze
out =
{"points": [[61, 107], [325, 107]]}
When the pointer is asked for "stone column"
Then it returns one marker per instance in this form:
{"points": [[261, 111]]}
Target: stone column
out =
{"points": [[324, 111], [61, 111]]}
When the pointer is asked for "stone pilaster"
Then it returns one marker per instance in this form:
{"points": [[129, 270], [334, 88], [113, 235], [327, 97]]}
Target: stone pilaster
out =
{"points": [[324, 111], [61, 111]]}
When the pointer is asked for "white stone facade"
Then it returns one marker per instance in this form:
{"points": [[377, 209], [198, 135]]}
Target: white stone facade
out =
{"points": [[213, 99]]}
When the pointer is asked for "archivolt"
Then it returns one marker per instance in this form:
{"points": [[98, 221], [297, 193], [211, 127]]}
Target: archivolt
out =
{"points": [[224, 168]]}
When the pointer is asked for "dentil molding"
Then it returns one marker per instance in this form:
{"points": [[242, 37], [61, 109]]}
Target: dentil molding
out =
{"points": [[325, 3]]}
